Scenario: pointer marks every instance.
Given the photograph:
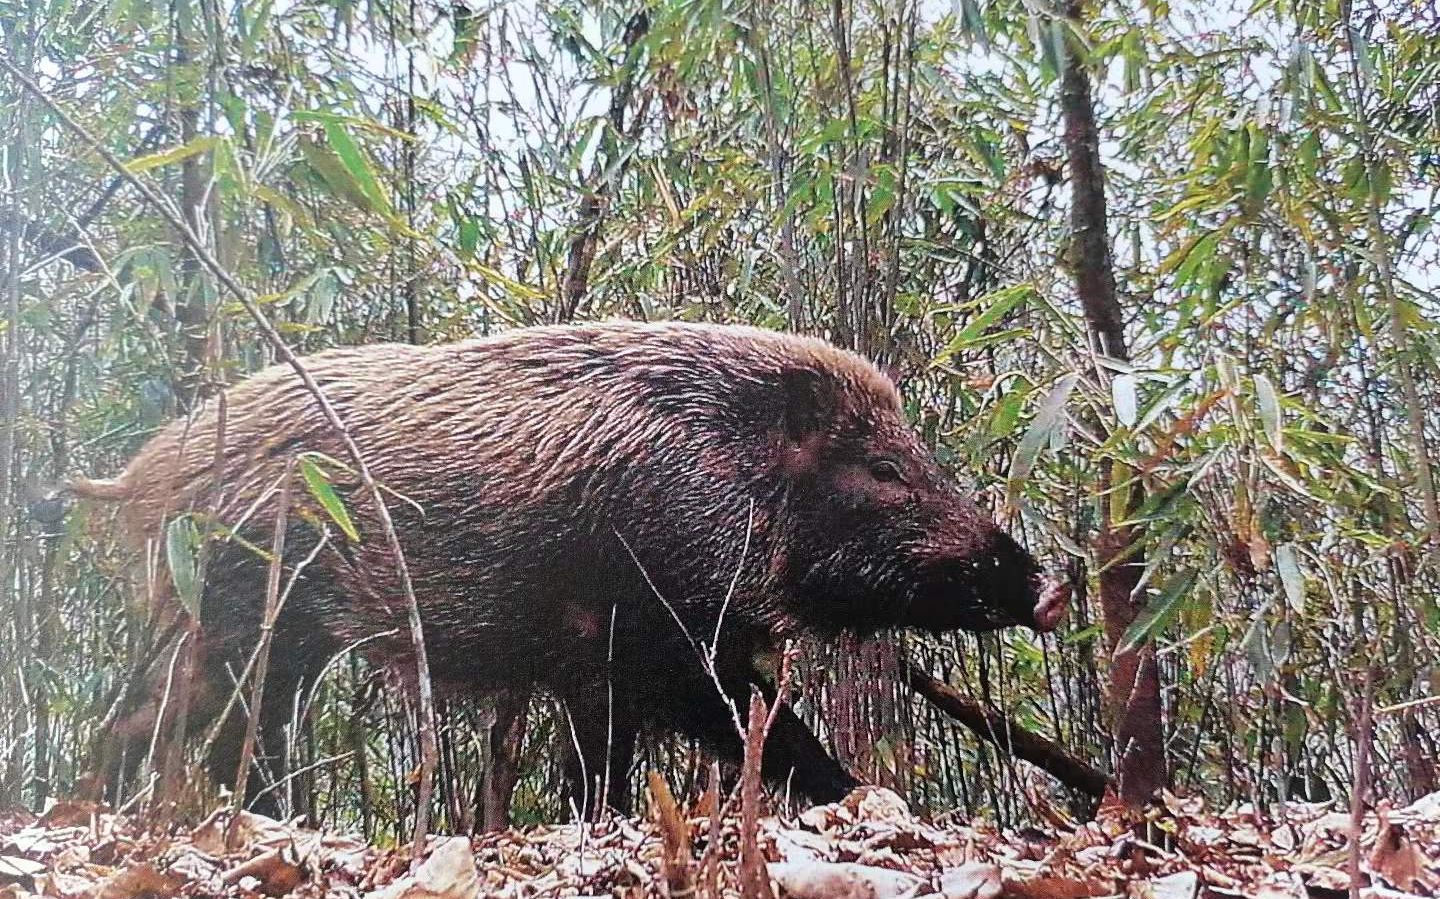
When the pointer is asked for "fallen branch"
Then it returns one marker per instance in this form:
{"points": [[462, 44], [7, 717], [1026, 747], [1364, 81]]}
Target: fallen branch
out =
{"points": [[994, 726]]}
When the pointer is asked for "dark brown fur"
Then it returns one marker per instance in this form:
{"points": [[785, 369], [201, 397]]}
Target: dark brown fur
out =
{"points": [[548, 481]]}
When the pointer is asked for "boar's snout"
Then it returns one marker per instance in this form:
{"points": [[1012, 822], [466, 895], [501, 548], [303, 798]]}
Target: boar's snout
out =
{"points": [[1054, 603], [1019, 591], [998, 584]]}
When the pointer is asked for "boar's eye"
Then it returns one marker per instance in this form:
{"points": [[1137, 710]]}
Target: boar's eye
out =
{"points": [[886, 471]]}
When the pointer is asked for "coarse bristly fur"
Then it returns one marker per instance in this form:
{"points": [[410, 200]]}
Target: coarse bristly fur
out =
{"points": [[577, 505]]}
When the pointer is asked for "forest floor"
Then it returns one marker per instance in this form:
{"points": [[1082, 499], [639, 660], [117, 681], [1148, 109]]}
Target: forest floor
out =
{"points": [[870, 845]]}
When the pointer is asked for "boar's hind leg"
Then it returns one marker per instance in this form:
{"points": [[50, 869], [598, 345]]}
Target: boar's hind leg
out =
{"points": [[299, 650], [290, 675]]}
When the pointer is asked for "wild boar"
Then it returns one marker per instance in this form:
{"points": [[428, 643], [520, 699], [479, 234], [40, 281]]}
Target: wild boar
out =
{"points": [[595, 510]]}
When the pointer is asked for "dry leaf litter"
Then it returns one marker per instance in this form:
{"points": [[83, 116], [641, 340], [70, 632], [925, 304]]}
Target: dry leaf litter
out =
{"points": [[867, 847]]}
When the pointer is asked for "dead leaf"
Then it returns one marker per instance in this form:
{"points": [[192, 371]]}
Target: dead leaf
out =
{"points": [[877, 804], [1046, 887], [1399, 860], [66, 886], [1281, 885], [841, 880], [71, 813], [276, 872], [249, 830], [1180, 885], [449, 873], [975, 880], [13, 868], [139, 882]]}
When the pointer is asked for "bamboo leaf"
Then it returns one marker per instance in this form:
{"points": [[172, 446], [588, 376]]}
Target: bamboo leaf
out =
{"points": [[318, 483], [1038, 435], [358, 165], [1270, 417], [1287, 564], [182, 555], [1159, 612], [1123, 394], [172, 155], [1255, 645], [972, 21], [997, 305]]}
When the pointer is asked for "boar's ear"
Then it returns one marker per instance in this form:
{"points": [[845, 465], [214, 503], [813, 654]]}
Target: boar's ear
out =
{"points": [[807, 404]]}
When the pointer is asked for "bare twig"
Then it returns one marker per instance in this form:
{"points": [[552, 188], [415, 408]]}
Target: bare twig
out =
{"points": [[262, 651], [754, 879], [707, 660], [734, 581], [1364, 731]]}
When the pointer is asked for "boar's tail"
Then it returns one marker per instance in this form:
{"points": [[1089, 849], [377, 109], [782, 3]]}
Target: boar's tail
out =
{"points": [[49, 506], [86, 488]]}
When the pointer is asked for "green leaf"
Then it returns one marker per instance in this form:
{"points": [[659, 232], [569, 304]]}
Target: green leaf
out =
{"points": [[172, 155], [469, 237], [1186, 260], [319, 486], [1309, 154], [1287, 564], [1038, 435], [1122, 392], [1007, 414], [323, 160], [1159, 612], [972, 22], [182, 554], [1255, 646], [1269, 403], [358, 165], [999, 304], [1381, 181]]}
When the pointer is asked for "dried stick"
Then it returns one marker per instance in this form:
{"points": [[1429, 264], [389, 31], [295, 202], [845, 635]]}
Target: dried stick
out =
{"points": [[676, 861], [262, 652], [710, 859], [754, 878], [1364, 732], [424, 690]]}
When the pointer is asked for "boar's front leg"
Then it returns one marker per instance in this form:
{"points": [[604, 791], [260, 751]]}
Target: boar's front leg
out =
{"points": [[795, 756], [691, 703]]}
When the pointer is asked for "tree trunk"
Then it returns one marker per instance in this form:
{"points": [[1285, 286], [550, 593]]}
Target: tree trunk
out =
{"points": [[1134, 690], [586, 241], [192, 313], [507, 735]]}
